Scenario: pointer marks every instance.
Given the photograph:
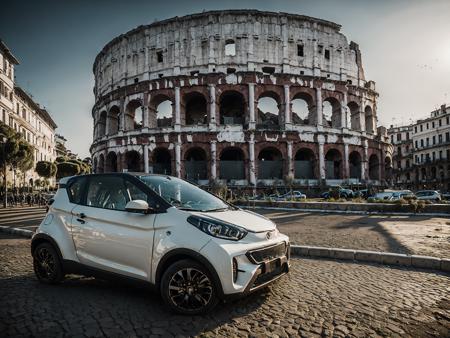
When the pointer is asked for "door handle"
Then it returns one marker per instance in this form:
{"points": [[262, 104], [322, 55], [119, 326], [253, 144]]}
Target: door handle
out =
{"points": [[82, 215], [81, 220]]}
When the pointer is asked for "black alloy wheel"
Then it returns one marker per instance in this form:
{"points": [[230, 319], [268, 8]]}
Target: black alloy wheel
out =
{"points": [[46, 264]]}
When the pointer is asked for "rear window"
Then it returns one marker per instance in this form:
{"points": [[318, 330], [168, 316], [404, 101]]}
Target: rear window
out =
{"points": [[75, 190]]}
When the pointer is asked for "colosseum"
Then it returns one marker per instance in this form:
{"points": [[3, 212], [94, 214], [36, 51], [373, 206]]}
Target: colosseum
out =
{"points": [[242, 97]]}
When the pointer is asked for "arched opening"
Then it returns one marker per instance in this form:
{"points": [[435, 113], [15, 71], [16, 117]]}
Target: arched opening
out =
{"points": [[101, 164], [195, 109], [268, 111], [302, 109], [353, 120], [162, 161], [95, 165], [101, 124], [133, 161], [195, 164], [113, 120], [163, 112], [374, 167], [111, 162], [134, 115], [304, 164], [433, 173], [387, 168], [331, 110], [270, 164], [232, 108], [355, 165], [370, 123], [333, 163], [232, 165], [423, 173]]}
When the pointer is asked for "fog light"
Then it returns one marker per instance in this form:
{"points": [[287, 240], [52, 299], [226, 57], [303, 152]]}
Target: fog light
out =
{"points": [[235, 270]]}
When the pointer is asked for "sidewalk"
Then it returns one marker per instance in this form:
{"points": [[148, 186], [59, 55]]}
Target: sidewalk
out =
{"points": [[26, 218]]}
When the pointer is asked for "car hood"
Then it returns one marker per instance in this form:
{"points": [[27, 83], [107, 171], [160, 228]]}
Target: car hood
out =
{"points": [[248, 220]]}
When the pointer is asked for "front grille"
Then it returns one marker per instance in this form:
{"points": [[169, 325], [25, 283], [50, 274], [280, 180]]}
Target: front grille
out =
{"points": [[267, 277], [268, 253]]}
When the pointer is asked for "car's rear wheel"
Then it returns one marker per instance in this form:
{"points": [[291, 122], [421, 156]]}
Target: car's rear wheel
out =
{"points": [[188, 288], [47, 265]]}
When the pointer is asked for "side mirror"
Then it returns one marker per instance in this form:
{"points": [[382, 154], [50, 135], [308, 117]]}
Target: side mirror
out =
{"points": [[139, 206]]}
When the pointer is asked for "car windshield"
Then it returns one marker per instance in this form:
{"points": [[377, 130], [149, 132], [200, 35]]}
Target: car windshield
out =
{"points": [[183, 195]]}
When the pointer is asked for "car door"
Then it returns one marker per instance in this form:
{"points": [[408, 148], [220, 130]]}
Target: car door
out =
{"points": [[108, 237]]}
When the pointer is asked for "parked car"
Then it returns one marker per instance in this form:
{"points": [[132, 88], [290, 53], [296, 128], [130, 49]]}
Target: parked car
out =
{"points": [[294, 195], [429, 195], [402, 194], [386, 196], [445, 196], [192, 246], [338, 192]]}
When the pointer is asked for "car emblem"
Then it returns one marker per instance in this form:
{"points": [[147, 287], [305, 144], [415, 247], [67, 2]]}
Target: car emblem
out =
{"points": [[268, 235]]}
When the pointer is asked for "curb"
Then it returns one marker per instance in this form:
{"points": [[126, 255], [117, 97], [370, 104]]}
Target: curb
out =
{"points": [[355, 212], [363, 256], [16, 231], [385, 258]]}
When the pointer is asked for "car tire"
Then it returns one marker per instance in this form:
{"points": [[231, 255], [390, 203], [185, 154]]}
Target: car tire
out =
{"points": [[187, 287], [47, 265]]}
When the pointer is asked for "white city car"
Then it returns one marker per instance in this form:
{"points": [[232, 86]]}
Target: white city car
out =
{"points": [[195, 248]]}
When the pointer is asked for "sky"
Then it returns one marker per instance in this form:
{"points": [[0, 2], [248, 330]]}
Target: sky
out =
{"points": [[405, 47]]}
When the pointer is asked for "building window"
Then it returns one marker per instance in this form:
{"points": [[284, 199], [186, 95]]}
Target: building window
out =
{"points": [[434, 140], [421, 127], [417, 144], [421, 143], [428, 141], [432, 124], [440, 123], [415, 129], [159, 56], [399, 137], [399, 164], [428, 126], [230, 48], [399, 151], [300, 51], [392, 139], [407, 163], [440, 154], [327, 54], [434, 156], [447, 137], [407, 135], [440, 138]]}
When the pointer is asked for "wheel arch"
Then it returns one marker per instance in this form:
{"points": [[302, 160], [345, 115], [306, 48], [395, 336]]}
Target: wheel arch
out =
{"points": [[179, 254], [43, 238]]}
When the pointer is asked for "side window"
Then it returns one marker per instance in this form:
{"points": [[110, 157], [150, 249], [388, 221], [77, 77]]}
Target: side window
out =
{"points": [[75, 190], [134, 193], [107, 192]]}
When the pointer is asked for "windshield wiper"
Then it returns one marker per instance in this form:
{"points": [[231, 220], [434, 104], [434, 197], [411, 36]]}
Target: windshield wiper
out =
{"points": [[218, 209]]}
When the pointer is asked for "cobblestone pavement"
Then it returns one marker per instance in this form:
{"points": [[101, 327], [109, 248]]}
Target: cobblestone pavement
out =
{"points": [[401, 234], [317, 299]]}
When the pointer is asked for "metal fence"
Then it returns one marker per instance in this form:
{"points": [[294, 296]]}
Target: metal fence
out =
{"points": [[303, 170], [270, 169], [232, 170], [196, 170]]}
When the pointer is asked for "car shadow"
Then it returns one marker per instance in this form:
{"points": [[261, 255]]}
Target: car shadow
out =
{"points": [[110, 307]]}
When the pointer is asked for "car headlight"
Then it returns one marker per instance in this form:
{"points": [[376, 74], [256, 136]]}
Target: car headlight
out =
{"points": [[217, 228]]}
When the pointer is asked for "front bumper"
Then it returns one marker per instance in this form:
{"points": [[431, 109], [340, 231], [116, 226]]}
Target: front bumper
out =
{"points": [[254, 271]]}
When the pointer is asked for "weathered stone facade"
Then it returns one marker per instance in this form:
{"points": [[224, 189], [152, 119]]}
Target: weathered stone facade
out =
{"points": [[249, 97]]}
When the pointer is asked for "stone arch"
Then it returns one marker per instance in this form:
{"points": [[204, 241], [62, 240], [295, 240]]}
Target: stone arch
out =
{"points": [[101, 164], [303, 109], [369, 120], [160, 111], [268, 110], [95, 165], [133, 161], [113, 120], [354, 116], [232, 107], [270, 163], [332, 112], [195, 108], [134, 115], [304, 164], [196, 164], [111, 162], [387, 167], [232, 164], [374, 167], [333, 164], [354, 161], [101, 124], [162, 161]]}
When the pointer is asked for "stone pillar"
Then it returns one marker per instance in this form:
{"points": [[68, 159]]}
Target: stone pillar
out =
{"points": [[144, 116], [251, 105], [346, 162], [344, 112], [290, 159], [212, 106], [107, 124], [213, 161], [177, 109], [321, 141], [365, 161], [319, 106], [146, 168], [287, 107], [122, 115], [178, 159], [251, 153]]}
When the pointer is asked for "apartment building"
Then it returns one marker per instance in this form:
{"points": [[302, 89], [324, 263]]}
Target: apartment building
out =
{"points": [[403, 175]]}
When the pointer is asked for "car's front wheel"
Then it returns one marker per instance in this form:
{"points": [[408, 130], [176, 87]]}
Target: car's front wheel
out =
{"points": [[187, 288], [47, 265]]}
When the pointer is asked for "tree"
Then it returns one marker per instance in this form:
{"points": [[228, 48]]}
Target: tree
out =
{"points": [[15, 152], [46, 169], [61, 159], [67, 169]]}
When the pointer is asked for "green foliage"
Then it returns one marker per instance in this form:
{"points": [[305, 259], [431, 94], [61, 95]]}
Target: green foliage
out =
{"points": [[46, 169], [67, 169], [61, 159], [16, 151]]}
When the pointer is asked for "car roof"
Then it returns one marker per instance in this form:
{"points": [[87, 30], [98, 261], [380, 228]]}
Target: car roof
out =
{"points": [[64, 180]]}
